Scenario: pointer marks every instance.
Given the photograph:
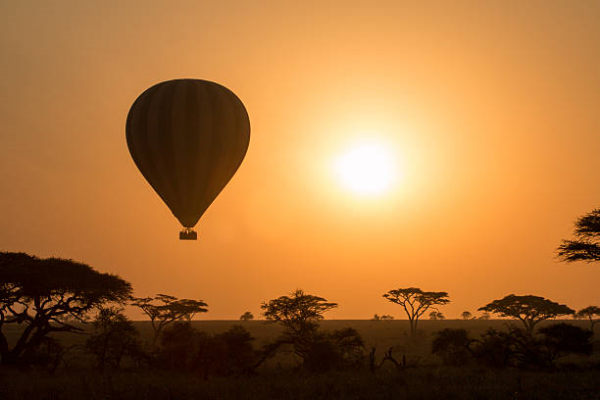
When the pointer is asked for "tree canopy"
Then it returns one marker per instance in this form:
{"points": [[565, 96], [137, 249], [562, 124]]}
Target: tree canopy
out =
{"points": [[42, 293], [589, 312], [530, 310], [297, 312], [164, 310], [586, 244], [416, 302]]}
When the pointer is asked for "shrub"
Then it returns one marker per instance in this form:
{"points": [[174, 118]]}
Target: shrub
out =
{"points": [[114, 338], [185, 348], [452, 345], [517, 348], [340, 349], [562, 339]]}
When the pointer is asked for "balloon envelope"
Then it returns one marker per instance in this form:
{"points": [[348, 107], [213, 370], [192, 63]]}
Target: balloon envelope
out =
{"points": [[188, 137]]}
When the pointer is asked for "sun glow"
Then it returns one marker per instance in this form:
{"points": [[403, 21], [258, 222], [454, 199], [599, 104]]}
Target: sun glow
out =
{"points": [[366, 168]]}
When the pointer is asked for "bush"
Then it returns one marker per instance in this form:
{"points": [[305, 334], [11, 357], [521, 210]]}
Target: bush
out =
{"points": [[452, 345], [517, 348], [562, 339], [48, 354], [493, 349], [228, 353], [113, 339], [340, 349], [239, 354]]}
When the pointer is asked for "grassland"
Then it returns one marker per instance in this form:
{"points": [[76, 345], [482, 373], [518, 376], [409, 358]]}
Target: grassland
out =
{"points": [[578, 378]]}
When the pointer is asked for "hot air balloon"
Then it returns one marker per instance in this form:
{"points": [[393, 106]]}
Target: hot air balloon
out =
{"points": [[188, 137]]}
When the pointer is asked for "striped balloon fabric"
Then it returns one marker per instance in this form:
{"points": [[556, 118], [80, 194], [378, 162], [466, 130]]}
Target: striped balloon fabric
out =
{"points": [[188, 137]]}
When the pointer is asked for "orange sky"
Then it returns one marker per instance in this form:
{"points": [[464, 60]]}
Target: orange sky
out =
{"points": [[492, 107]]}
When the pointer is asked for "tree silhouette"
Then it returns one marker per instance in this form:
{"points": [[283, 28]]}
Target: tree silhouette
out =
{"points": [[415, 303], [186, 348], [452, 345], [247, 316], [562, 339], [590, 312], [299, 313], [378, 317], [114, 337], [530, 310], [164, 310], [586, 245], [436, 316], [40, 293], [466, 315]]}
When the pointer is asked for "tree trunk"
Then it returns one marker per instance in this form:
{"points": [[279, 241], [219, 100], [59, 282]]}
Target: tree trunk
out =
{"points": [[413, 327]]}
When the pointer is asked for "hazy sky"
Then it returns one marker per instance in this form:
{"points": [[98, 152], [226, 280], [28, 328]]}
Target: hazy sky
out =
{"points": [[491, 109]]}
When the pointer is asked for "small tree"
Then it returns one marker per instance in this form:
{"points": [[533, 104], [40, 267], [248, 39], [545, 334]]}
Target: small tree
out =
{"points": [[114, 337], [415, 303], [164, 310], [247, 316], [299, 313], [590, 312], [530, 310], [436, 316], [562, 339], [386, 318], [40, 294], [586, 244], [335, 350], [485, 316], [466, 315]]}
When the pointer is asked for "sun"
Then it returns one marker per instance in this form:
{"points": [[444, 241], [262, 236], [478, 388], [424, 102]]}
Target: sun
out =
{"points": [[367, 168]]}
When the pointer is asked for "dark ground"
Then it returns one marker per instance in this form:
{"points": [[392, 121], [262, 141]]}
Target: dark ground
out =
{"points": [[576, 378]]}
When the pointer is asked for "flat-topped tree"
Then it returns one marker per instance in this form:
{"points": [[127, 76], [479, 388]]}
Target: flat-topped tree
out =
{"points": [[586, 244], [415, 303], [43, 294], [164, 310], [590, 312], [299, 314], [530, 310]]}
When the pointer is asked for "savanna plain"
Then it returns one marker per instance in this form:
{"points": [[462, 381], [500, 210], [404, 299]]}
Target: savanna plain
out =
{"points": [[391, 365]]}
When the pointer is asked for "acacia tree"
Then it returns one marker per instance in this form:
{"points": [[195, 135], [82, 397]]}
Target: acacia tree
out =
{"points": [[44, 295], [589, 312], [530, 310], [586, 244], [436, 316], [415, 303], [164, 310], [299, 313], [466, 315], [114, 337], [247, 316]]}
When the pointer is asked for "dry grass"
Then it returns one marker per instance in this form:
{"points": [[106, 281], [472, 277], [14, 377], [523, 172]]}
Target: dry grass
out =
{"points": [[279, 380]]}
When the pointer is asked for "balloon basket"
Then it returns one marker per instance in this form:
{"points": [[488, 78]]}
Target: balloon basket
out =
{"points": [[188, 234]]}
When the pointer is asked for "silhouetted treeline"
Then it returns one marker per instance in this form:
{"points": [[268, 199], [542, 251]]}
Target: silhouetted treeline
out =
{"points": [[47, 296]]}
